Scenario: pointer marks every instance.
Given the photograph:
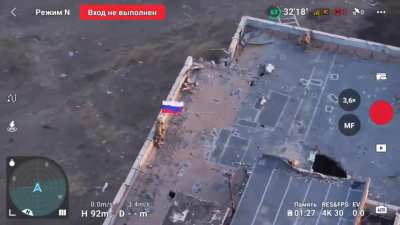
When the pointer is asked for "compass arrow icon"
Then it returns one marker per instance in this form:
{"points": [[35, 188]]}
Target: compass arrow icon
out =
{"points": [[13, 11]]}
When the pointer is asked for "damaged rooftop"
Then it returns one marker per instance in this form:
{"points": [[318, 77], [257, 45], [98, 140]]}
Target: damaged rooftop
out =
{"points": [[234, 114]]}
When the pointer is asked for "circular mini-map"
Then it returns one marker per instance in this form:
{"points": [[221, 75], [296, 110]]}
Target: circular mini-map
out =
{"points": [[37, 187]]}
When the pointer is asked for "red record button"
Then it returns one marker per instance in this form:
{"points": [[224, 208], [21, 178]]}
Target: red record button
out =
{"points": [[381, 112]]}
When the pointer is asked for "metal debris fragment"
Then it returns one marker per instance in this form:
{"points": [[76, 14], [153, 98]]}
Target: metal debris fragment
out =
{"points": [[269, 68], [263, 69], [105, 186], [252, 83], [263, 100], [71, 53]]}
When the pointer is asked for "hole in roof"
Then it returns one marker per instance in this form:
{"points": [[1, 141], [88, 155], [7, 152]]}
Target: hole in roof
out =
{"points": [[325, 165]]}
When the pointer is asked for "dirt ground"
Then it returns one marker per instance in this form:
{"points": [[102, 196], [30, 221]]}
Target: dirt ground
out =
{"points": [[88, 92]]}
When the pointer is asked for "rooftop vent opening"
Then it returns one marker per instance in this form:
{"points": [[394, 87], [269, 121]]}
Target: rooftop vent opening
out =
{"points": [[325, 165]]}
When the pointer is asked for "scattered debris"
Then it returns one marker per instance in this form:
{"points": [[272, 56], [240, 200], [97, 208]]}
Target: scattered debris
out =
{"points": [[262, 69], [179, 217], [37, 40], [182, 169], [269, 68], [236, 92], [252, 83], [263, 100], [105, 186], [47, 127], [71, 53], [196, 188]]}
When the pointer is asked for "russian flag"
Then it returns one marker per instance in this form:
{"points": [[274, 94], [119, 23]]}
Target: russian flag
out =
{"points": [[172, 107]]}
